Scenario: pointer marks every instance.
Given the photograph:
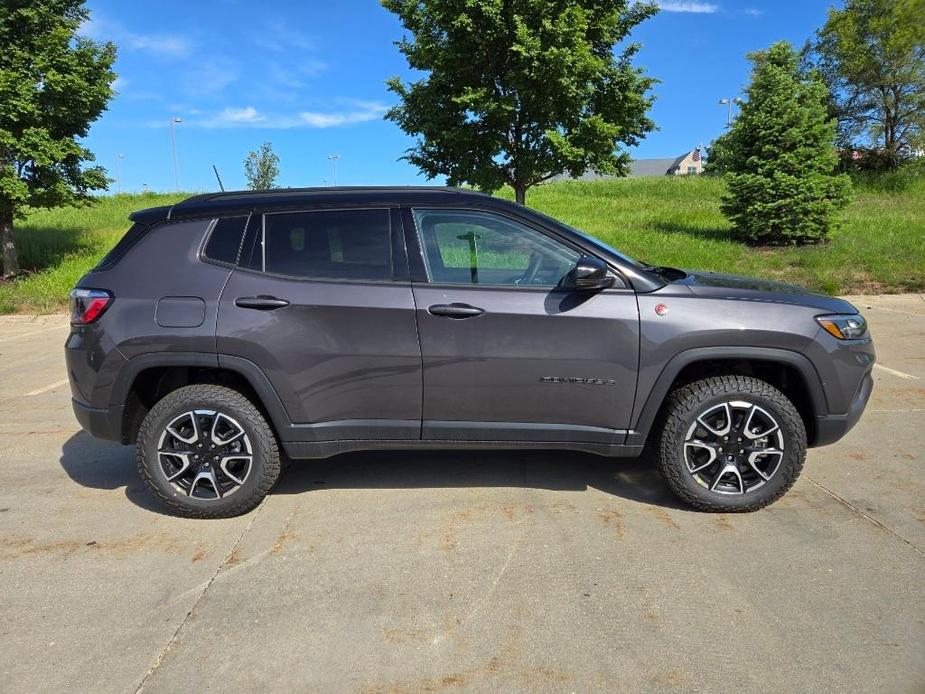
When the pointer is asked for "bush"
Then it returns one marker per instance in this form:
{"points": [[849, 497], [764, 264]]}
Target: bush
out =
{"points": [[780, 157]]}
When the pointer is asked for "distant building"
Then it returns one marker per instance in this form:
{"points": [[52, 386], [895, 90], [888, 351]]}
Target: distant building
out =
{"points": [[687, 164]]}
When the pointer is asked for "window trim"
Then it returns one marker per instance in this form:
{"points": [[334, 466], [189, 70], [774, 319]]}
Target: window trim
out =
{"points": [[395, 263], [409, 218]]}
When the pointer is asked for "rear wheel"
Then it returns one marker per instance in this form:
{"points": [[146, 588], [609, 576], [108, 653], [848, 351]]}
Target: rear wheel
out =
{"points": [[731, 443], [207, 452]]}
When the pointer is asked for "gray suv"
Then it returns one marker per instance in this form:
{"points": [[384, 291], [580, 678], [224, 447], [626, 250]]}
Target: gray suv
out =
{"points": [[231, 330]]}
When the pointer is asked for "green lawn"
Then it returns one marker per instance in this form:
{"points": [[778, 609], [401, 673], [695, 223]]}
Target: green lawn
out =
{"points": [[879, 246]]}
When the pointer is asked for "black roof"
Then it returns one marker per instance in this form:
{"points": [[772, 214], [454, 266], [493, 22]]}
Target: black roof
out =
{"points": [[286, 198]]}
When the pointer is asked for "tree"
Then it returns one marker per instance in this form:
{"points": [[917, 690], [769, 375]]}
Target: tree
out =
{"points": [[871, 54], [261, 168], [518, 91], [53, 85], [780, 156], [717, 161]]}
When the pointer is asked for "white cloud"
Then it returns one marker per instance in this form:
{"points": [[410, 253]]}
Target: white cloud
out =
{"points": [[210, 75], [279, 37], [163, 45], [363, 112], [694, 7], [753, 12], [250, 117], [248, 114]]}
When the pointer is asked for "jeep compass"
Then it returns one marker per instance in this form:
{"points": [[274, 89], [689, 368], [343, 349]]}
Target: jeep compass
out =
{"points": [[231, 330]]}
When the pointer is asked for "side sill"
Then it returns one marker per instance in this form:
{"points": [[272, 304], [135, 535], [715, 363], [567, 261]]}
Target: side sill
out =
{"points": [[300, 450]]}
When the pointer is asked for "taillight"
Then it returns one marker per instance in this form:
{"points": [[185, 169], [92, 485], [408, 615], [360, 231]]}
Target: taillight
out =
{"points": [[87, 305]]}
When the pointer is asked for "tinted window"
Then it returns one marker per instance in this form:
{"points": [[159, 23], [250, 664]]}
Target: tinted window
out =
{"points": [[462, 247], [225, 240], [343, 244], [251, 248]]}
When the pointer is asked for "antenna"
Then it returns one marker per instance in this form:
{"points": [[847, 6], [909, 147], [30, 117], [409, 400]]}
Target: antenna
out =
{"points": [[221, 187]]}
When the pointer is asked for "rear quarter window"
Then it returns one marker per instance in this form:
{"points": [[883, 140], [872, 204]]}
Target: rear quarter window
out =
{"points": [[224, 241]]}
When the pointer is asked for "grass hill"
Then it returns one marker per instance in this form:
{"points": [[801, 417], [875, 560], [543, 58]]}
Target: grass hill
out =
{"points": [[879, 246]]}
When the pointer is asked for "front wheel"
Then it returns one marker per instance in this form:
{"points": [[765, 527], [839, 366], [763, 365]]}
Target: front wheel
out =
{"points": [[207, 452], [731, 444]]}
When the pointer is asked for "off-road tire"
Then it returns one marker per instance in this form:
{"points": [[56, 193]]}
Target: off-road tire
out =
{"points": [[687, 403], [265, 464]]}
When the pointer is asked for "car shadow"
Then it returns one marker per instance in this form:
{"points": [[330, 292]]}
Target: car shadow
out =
{"points": [[101, 465]]}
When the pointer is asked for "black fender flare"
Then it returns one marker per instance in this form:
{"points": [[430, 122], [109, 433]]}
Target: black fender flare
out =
{"points": [[252, 373], [663, 383]]}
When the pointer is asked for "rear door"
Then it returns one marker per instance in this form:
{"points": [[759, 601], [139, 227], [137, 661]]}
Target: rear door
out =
{"points": [[507, 355], [321, 301]]}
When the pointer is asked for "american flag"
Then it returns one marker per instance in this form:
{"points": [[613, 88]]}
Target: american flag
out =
{"points": [[696, 155]]}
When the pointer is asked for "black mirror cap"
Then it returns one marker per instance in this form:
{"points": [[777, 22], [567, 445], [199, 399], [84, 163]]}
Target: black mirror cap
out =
{"points": [[589, 273]]}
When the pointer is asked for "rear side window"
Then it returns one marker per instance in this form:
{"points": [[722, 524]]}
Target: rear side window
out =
{"points": [[328, 244], [225, 240], [132, 236]]}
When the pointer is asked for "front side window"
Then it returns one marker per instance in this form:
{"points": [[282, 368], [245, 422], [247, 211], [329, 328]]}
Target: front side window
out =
{"points": [[327, 244], [472, 247]]}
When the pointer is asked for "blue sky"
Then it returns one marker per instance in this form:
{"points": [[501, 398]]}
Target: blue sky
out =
{"points": [[309, 76]]}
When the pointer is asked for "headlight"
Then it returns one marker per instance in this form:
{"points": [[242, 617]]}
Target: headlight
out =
{"points": [[848, 326]]}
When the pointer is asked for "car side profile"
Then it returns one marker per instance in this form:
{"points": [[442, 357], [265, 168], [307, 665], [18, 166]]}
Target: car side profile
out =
{"points": [[232, 329]]}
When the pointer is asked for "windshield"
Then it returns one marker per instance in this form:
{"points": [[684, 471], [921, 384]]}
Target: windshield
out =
{"points": [[597, 243]]}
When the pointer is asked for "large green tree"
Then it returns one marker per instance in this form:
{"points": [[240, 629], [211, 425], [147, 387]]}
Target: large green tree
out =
{"points": [[780, 156], [261, 168], [871, 54], [517, 91], [53, 84]]}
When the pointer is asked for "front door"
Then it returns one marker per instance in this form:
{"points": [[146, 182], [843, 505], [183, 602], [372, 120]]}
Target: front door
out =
{"points": [[508, 356], [321, 301]]}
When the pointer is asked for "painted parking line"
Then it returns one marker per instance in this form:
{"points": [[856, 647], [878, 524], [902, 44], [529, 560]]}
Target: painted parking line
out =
{"points": [[45, 389], [33, 332], [894, 372]]}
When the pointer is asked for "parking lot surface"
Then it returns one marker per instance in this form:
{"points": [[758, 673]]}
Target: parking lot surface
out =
{"points": [[465, 571]]}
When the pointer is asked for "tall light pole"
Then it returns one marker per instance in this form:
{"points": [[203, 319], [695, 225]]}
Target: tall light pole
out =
{"points": [[333, 159], [119, 158], [729, 102], [173, 146]]}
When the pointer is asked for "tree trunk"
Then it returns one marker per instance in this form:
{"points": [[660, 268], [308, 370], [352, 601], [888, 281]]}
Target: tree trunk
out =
{"points": [[10, 261], [520, 193]]}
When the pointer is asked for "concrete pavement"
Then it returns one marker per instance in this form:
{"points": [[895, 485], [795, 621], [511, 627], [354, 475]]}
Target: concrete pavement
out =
{"points": [[433, 571]]}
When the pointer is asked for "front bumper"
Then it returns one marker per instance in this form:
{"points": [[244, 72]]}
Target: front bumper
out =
{"points": [[830, 428]]}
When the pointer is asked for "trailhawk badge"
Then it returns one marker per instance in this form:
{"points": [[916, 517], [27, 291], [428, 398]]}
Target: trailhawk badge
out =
{"points": [[575, 379]]}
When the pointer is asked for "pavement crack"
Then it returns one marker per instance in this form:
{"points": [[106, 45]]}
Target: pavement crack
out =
{"points": [[163, 653], [865, 515]]}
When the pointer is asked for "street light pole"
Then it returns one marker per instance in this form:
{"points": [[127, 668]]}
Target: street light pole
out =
{"points": [[119, 158], [729, 102], [173, 147], [333, 159]]}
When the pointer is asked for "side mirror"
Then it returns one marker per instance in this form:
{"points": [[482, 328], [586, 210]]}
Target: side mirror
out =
{"points": [[588, 273]]}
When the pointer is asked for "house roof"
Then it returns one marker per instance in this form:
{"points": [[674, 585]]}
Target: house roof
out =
{"points": [[652, 167], [638, 167]]}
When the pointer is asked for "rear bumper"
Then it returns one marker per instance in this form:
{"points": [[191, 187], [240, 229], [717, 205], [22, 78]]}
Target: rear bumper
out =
{"points": [[830, 428], [97, 422]]}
